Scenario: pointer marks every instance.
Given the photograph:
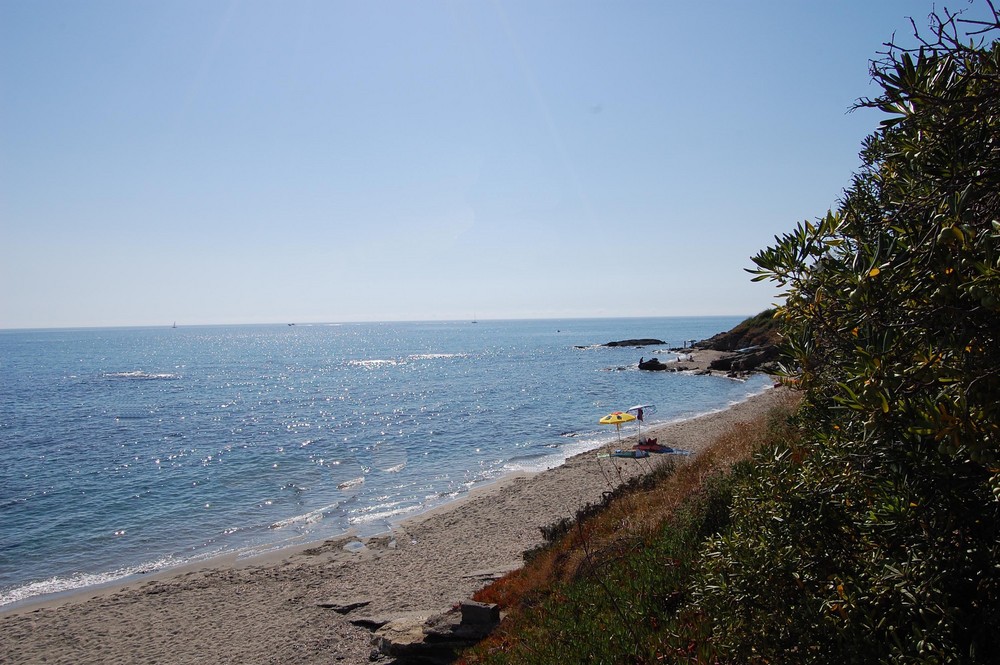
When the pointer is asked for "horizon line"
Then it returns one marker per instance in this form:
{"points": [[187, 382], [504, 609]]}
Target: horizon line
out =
{"points": [[174, 324]]}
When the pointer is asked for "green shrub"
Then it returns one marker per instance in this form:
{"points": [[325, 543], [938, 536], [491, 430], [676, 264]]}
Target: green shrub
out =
{"points": [[879, 539], [619, 608]]}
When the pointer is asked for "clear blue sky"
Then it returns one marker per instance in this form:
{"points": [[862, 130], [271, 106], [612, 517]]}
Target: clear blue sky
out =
{"points": [[260, 161]]}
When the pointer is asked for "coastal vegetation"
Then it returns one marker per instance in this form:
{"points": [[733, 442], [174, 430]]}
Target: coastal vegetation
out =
{"points": [[611, 585], [866, 527], [760, 330]]}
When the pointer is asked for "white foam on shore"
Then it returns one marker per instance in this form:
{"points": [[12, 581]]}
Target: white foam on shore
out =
{"points": [[57, 585], [587, 441], [544, 462], [381, 513], [306, 518], [372, 520]]}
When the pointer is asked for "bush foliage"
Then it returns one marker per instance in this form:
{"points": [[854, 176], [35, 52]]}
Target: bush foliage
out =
{"points": [[873, 533], [879, 540], [609, 588]]}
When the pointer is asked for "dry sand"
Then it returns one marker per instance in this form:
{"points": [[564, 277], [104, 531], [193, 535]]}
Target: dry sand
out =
{"points": [[271, 610]]}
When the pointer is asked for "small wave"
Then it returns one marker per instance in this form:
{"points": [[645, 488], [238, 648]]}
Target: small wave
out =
{"points": [[80, 581], [306, 518], [10, 503], [351, 484], [535, 463], [381, 515], [518, 459], [397, 468], [134, 413], [435, 356], [141, 376], [373, 363]]}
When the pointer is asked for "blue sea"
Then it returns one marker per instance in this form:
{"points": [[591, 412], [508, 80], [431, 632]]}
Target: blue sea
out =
{"points": [[124, 451]]}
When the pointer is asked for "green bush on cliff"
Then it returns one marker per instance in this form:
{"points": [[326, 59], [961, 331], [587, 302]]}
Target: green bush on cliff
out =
{"points": [[759, 330], [879, 539]]}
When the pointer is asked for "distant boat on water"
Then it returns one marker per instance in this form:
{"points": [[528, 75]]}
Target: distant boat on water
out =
{"points": [[175, 324]]}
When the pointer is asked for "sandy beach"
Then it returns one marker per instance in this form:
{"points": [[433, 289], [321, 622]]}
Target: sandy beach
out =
{"points": [[278, 609]]}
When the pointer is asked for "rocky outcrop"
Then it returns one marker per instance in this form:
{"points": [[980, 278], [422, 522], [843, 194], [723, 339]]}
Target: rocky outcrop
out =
{"points": [[636, 342], [759, 330], [751, 346], [438, 639], [746, 360], [653, 365]]}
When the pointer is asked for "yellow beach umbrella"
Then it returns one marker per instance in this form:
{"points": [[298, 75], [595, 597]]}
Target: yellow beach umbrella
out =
{"points": [[616, 419]]}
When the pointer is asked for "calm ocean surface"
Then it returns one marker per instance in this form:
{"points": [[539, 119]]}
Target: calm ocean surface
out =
{"points": [[131, 450]]}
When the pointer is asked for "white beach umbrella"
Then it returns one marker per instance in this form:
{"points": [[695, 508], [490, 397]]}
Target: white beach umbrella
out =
{"points": [[641, 411]]}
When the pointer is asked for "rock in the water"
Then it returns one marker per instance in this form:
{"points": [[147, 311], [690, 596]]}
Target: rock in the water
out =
{"points": [[636, 342], [653, 365]]}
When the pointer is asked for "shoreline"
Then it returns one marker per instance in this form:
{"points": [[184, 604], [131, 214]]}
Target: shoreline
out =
{"points": [[208, 610], [696, 364]]}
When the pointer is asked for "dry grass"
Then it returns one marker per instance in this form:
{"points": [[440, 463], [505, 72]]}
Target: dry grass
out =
{"points": [[631, 518]]}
